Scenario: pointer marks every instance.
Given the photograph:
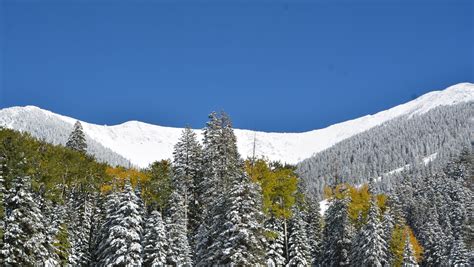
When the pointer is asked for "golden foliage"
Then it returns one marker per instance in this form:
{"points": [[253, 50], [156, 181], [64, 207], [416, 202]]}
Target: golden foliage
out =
{"points": [[360, 200], [397, 244], [118, 176], [278, 187]]}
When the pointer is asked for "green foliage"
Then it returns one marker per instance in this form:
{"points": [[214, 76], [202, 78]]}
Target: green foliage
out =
{"points": [[360, 201], [57, 170], [54, 169], [358, 210], [157, 188], [278, 183], [397, 244], [62, 244]]}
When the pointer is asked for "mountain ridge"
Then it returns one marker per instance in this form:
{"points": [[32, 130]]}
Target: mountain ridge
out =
{"points": [[143, 143]]}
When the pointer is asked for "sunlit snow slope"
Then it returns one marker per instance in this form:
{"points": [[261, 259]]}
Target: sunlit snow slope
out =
{"points": [[144, 143]]}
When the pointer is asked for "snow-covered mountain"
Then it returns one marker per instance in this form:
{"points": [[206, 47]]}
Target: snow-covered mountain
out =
{"points": [[143, 143]]}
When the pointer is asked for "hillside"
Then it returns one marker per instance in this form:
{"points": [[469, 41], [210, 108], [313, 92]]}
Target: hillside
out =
{"points": [[143, 143], [425, 141]]}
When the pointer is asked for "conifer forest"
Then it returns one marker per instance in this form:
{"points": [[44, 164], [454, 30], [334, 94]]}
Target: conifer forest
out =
{"points": [[208, 206]]}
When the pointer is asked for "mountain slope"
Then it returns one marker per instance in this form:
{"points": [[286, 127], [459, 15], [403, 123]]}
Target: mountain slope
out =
{"points": [[421, 143], [143, 143]]}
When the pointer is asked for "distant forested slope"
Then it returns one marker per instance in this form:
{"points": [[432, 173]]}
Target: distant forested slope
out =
{"points": [[437, 135], [56, 132]]}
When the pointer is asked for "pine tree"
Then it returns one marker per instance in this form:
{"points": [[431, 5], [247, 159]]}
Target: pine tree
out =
{"points": [[275, 242], [155, 243], [298, 250], [56, 227], [314, 229], [62, 245], [434, 241], [80, 218], [458, 255], [187, 161], [240, 236], [179, 251], [221, 164], [338, 232], [388, 223], [121, 244], [3, 197], [77, 139], [103, 207], [26, 241], [370, 248], [408, 254], [108, 217]]}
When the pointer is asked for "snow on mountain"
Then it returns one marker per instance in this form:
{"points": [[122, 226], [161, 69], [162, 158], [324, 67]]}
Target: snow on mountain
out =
{"points": [[143, 143]]}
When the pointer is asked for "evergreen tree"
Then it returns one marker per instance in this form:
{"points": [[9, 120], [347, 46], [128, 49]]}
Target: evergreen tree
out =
{"points": [[3, 197], [298, 250], [458, 255], [80, 230], [62, 245], [121, 244], [314, 229], [103, 209], [179, 251], [370, 247], [221, 164], [155, 243], [26, 241], [77, 139], [434, 241], [187, 161], [275, 242], [408, 254], [338, 232], [240, 237], [388, 223]]}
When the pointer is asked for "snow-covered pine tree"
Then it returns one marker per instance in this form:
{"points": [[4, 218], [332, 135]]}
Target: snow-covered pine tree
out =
{"points": [[154, 241], [434, 241], [26, 241], [140, 203], [298, 244], [121, 244], [106, 213], [3, 197], [100, 214], [275, 242], [388, 223], [338, 232], [179, 251], [221, 160], [202, 242], [207, 190], [62, 245], [409, 254], [80, 227], [240, 239], [187, 161], [370, 248], [77, 138], [458, 255], [221, 164], [314, 229], [54, 218]]}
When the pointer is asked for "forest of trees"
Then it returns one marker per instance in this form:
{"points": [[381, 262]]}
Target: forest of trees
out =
{"points": [[441, 132], [208, 206]]}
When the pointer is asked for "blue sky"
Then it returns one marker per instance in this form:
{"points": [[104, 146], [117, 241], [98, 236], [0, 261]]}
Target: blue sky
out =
{"points": [[272, 65]]}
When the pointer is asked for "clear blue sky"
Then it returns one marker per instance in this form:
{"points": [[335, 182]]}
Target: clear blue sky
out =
{"points": [[272, 65]]}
